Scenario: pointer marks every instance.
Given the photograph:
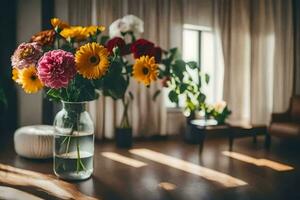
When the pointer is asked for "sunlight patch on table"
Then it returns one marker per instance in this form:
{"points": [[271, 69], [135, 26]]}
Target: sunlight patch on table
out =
{"points": [[167, 186], [209, 174], [12, 193], [258, 162], [13, 176], [122, 159]]}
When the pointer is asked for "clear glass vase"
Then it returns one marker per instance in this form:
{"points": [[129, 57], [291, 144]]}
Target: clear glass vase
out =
{"points": [[73, 142]]}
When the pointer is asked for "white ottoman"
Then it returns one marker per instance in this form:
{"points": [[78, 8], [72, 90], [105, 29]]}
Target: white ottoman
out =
{"points": [[34, 141]]}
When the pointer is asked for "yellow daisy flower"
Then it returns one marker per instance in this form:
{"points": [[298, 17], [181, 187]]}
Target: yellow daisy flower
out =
{"points": [[16, 75], [57, 23], [91, 30], [74, 32], [30, 80], [145, 69], [78, 33], [92, 60]]}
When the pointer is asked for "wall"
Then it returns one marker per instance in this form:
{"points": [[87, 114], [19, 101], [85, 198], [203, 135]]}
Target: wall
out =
{"points": [[198, 12], [28, 23], [61, 9]]}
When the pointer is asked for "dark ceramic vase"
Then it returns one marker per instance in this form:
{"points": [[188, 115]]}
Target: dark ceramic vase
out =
{"points": [[124, 137]]}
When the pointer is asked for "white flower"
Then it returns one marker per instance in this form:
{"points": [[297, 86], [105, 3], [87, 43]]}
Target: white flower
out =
{"points": [[115, 28], [220, 106], [125, 24], [136, 24], [209, 108]]}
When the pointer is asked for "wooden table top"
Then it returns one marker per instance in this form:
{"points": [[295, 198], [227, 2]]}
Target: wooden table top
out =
{"points": [[152, 178]]}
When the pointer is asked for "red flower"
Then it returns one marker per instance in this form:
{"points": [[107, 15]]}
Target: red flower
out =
{"points": [[116, 42], [157, 52], [142, 47]]}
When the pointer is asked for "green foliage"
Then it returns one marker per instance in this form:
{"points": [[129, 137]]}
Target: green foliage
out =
{"points": [[103, 39], [192, 64], [78, 90], [173, 96], [116, 81], [180, 74]]}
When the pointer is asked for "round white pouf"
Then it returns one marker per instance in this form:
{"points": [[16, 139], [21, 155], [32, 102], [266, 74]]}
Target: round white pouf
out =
{"points": [[34, 141]]}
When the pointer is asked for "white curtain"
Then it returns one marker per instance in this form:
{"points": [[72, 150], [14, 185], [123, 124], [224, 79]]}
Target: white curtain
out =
{"points": [[257, 44]]}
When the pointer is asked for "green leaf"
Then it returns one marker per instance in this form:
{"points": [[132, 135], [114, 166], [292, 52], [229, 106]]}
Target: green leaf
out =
{"points": [[54, 93], [179, 69], [201, 98], [199, 82], [183, 87], [173, 51], [115, 86], [173, 96], [104, 39], [156, 94], [192, 65], [206, 78]]}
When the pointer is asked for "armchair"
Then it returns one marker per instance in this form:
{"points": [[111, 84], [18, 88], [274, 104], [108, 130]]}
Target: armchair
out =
{"points": [[286, 125]]}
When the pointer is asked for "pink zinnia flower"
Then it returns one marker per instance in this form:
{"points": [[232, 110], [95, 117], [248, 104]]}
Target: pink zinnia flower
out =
{"points": [[27, 54], [56, 68]]}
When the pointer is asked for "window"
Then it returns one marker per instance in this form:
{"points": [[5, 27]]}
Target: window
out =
{"points": [[199, 46]]}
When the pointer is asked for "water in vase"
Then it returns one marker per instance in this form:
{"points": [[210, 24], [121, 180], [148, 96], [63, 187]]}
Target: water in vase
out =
{"points": [[73, 156]]}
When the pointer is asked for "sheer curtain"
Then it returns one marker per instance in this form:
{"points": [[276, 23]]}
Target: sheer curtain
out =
{"points": [[257, 44], [163, 25]]}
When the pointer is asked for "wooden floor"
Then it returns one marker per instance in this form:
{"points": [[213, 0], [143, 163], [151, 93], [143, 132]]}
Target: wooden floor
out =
{"points": [[114, 180]]}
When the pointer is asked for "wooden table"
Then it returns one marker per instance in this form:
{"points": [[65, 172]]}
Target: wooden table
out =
{"points": [[116, 181], [205, 128], [210, 127], [253, 131]]}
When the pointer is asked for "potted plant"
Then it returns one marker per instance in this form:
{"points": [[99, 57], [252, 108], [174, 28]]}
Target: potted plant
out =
{"points": [[183, 83]]}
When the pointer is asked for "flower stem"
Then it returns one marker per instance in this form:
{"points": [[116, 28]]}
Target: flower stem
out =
{"points": [[68, 144], [80, 166], [125, 120]]}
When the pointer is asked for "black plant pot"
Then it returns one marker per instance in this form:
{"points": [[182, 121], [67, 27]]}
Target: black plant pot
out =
{"points": [[191, 135], [124, 137]]}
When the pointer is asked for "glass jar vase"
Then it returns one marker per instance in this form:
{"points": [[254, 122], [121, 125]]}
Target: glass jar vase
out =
{"points": [[73, 142]]}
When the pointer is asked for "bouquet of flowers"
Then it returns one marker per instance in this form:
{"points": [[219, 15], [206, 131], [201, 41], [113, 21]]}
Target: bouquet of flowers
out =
{"points": [[149, 62], [74, 64]]}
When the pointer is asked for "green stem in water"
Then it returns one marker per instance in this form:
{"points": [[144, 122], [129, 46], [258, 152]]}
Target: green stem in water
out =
{"points": [[68, 144], [80, 166], [125, 120]]}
